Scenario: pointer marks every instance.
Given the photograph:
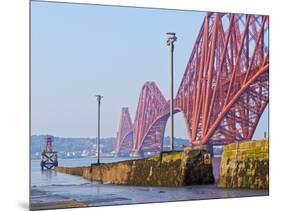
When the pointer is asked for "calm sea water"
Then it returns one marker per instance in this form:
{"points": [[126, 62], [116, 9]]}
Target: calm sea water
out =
{"points": [[45, 178], [50, 186]]}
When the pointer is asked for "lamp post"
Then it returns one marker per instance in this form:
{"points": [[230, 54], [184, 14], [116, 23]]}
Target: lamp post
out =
{"points": [[170, 42], [98, 141]]}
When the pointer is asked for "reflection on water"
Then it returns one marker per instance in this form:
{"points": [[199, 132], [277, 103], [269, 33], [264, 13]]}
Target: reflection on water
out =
{"points": [[48, 174]]}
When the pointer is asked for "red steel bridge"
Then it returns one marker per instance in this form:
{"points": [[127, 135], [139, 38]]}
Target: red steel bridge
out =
{"points": [[223, 92]]}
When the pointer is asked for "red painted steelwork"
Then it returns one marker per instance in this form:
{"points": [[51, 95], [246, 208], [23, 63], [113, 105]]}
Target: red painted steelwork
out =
{"points": [[48, 144], [124, 143], [225, 86], [148, 132], [224, 90]]}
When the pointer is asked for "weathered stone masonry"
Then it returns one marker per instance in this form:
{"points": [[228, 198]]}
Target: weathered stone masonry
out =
{"points": [[170, 169], [245, 165]]}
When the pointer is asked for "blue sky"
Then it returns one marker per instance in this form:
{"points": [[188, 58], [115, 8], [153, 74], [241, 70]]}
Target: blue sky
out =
{"points": [[81, 50]]}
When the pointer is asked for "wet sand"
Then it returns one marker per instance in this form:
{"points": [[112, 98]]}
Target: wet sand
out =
{"points": [[57, 205], [42, 201], [89, 195]]}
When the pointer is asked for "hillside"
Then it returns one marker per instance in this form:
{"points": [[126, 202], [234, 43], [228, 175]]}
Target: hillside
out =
{"points": [[84, 147]]}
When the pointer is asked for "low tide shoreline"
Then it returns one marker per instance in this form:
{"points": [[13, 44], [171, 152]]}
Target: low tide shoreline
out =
{"points": [[57, 205], [88, 195], [42, 201]]}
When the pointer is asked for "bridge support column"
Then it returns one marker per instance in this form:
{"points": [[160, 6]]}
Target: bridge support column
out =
{"points": [[210, 148], [135, 153]]}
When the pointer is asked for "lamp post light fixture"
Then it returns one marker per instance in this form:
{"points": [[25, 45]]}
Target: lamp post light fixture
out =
{"points": [[98, 139], [170, 42]]}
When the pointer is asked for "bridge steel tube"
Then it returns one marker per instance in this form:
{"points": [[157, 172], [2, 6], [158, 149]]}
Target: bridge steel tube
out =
{"points": [[224, 89]]}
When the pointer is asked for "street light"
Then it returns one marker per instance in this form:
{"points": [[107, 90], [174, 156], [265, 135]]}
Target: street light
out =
{"points": [[170, 42], [98, 144]]}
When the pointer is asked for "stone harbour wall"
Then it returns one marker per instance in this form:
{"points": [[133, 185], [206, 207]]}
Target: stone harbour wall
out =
{"points": [[77, 171], [245, 165], [191, 167]]}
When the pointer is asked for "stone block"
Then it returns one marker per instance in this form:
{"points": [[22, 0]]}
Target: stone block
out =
{"points": [[245, 168]]}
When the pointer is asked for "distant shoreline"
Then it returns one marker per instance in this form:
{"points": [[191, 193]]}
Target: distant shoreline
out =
{"points": [[70, 158]]}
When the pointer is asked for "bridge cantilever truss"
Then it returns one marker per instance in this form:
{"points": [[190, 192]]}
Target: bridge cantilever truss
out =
{"points": [[224, 89], [124, 140], [225, 86], [149, 121]]}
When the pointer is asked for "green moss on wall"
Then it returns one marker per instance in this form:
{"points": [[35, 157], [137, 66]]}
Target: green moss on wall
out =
{"points": [[245, 165], [169, 169]]}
